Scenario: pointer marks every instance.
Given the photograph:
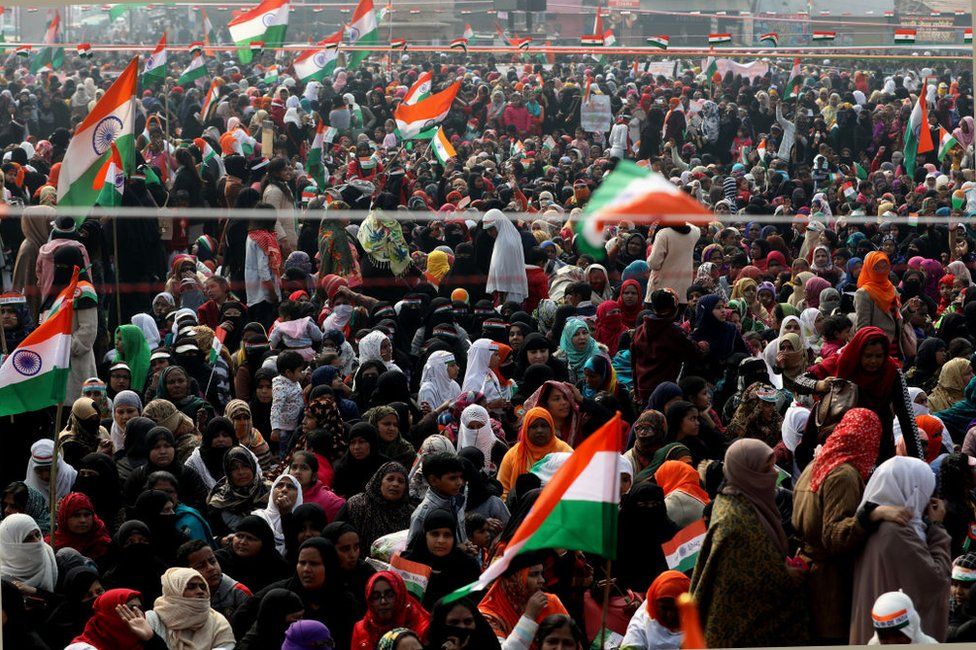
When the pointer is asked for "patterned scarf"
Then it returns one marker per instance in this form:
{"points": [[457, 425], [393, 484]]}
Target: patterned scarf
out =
{"points": [[383, 241], [269, 244]]}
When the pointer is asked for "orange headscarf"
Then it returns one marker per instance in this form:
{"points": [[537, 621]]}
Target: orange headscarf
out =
{"points": [[669, 584], [675, 475], [878, 285], [505, 601], [933, 427], [526, 453]]}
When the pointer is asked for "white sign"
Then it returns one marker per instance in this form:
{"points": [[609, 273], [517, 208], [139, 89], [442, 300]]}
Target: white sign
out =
{"points": [[595, 115]]}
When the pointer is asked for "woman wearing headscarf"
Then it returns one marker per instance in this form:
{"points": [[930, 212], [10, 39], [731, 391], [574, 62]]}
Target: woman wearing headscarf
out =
{"points": [[655, 627], [506, 270], [511, 606], [387, 254], [745, 552], [383, 507], [756, 416], [125, 405], [360, 461], [25, 558], [865, 361], [402, 612], [176, 386], [84, 434], [108, 630], [182, 616], [481, 376], [722, 338], [640, 559], [79, 588], [929, 360], [132, 349], [476, 431], [284, 497], [39, 471], [953, 378], [576, 346], [538, 349], [561, 400], [876, 301], [161, 457], [437, 548], [135, 565], [913, 557], [15, 332], [437, 385], [251, 558], [354, 572], [35, 225], [20, 498], [449, 623], [207, 460], [238, 494], [376, 346], [278, 608], [239, 413], [78, 527], [684, 497], [537, 438]]}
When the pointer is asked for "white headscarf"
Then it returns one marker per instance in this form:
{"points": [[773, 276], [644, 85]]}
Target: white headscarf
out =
{"points": [[772, 349], [794, 422], [894, 610], [42, 453], [150, 332], [808, 325], [272, 515], [506, 273], [905, 482], [369, 349], [32, 563], [481, 437], [435, 385], [479, 377], [190, 622]]}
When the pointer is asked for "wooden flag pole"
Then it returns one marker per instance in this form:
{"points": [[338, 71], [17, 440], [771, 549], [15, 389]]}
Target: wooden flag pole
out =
{"points": [[53, 481]]}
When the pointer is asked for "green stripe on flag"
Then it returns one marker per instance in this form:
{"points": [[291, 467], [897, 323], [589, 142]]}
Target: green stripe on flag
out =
{"points": [[82, 192], [40, 392], [358, 56], [588, 526], [273, 36]]}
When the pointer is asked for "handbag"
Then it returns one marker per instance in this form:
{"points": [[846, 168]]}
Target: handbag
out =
{"points": [[907, 340], [840, 399]]}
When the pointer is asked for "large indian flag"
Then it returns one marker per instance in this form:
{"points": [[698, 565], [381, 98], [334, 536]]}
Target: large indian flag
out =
{"points": [[416, 118], [636, 193], [577, 509], [320, 61], [266, 23], [110, 122], [362, 31], [35, 375], [918, 135]]}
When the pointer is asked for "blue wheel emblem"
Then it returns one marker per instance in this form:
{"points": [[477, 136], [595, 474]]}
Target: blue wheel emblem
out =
{"points": [[27, 362], [320, 59], [268, 19], [353, 34], [105, 134]]}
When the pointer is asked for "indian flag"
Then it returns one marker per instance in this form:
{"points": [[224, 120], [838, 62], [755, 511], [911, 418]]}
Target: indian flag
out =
{"points": [[468, 32], [711, 70], [209, 157], [313, 161], [518, 148], [398, 44], [330, 134], [520, 43], [592, 40], [609, 39], [318, 62], [772, 38], [576, 510], [23, 51], [459, 44], [210, 101], [918, 136], [194, 71], [110, 181], [795, 80], [415, 575], [266, 23], [823, 36], [209, 33], [413, 119], [362, 31], [420, 90], [218, 342], [50, 57], [442, 147], [967, 36], [110, 122], [715, 39], [84, 50], [682, 551], [35, 375], [946, 142], [905, 35], [847, 189], [636, 194], [271, 74], [154, 70], [660, 41], [761, 149]]}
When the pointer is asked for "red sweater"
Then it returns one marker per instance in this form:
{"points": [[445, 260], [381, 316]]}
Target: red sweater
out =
{"points": [[538, 287]]}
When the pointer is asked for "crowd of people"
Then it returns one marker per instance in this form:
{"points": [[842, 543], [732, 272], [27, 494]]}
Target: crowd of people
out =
{"points": [[405, 346]]}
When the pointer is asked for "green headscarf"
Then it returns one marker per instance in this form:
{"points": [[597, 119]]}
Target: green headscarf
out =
{"points": [[670, 451], [135, 353], [576, 358]]}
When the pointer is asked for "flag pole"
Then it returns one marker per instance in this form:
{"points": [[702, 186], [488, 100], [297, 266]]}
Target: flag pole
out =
{"points": [[606, 602], [53, 481], [118, 290]]}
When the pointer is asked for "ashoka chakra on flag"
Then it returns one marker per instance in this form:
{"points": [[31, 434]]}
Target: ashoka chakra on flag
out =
{"points": [[105, 133], [26, 362]]}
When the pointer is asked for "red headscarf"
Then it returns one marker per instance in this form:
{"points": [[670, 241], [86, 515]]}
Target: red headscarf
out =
{"points": [[674, 475], [946, 280], [609, 324], [629, 314], [669, 584], [878, 285], [504, 603], [95, 543], [105, 629], [855, 442], [933, 428], [331, 284], [409, 613], [847, 364]]}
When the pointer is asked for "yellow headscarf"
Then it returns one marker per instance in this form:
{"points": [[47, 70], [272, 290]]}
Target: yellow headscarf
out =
{"points": [[438, 264]]}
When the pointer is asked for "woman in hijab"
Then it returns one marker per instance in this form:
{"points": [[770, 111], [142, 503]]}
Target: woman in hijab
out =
{"points": [[929, 360], [538, 349], [756, 416], [18, 497], [17, 322], [245, 432], [481, 374], [831, 525], [238, 494], [78, 527], [80, 588], [437, 548], [609, 325], [278, 609], [459, 622], [506, 271], [84, 433], [176, 386], [383, 507], [403, 611], [576, 346], [913, 557], [39, 471], [25, 558], [107, 630], [640, 560], [182, 616], [132, 349], [161, 457], [684, 497], [251, 557], [125, 405], [510, 598], [953, 378], [537, 438], [285, 496], [745, 552], [135, 564], [476, 431], [722, 339], [438, 380], [654, 626], [876, 301], [207, 460], [353, 572], [360, 461]]}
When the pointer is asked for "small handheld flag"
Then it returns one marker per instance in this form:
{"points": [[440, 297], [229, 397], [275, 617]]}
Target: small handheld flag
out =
{"points": [[660, 41], [715, 39], [772, 39]]}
